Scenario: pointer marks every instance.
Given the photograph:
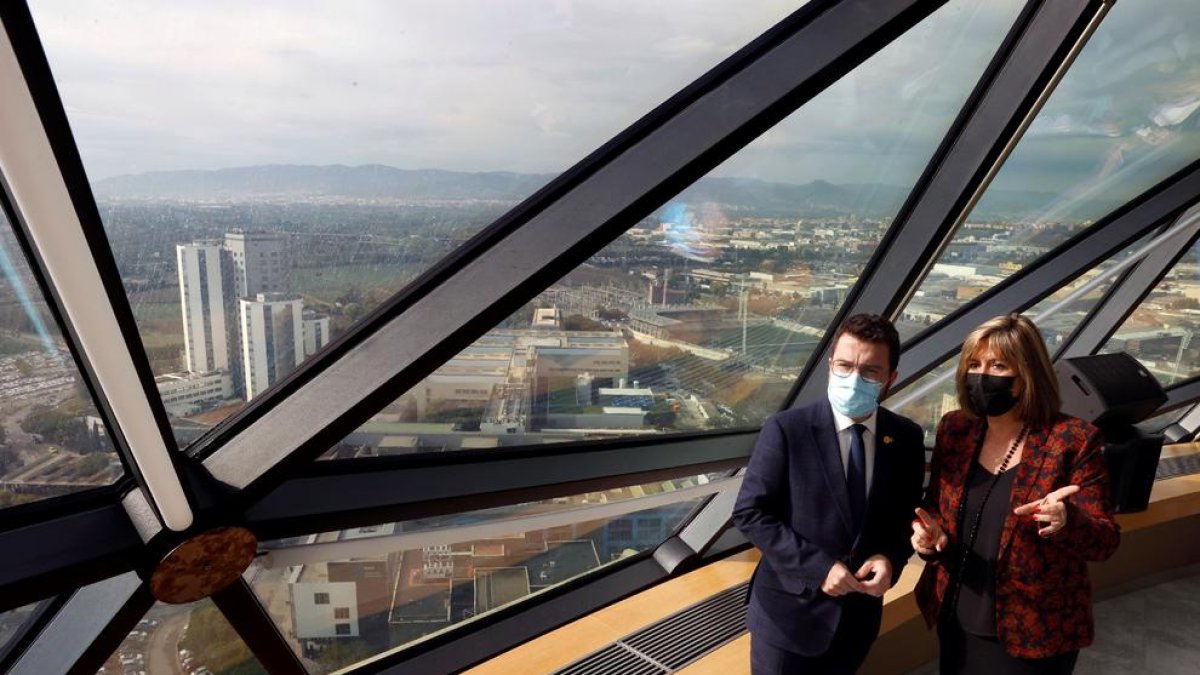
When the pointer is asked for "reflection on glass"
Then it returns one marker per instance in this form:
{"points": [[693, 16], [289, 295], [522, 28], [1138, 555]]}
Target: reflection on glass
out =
{"points": [[11, 623], [1122, 119], [265, 185], [1160, 332], [52, 440], [700, 316], [341, 597], [194, 639]]}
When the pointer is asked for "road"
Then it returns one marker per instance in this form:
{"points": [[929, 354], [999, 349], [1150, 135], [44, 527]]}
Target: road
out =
{"points": [[162, 652]]}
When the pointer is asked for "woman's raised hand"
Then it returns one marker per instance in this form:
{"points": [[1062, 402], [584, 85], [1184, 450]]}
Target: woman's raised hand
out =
{"points": [[928, 537], [1049, 511]]}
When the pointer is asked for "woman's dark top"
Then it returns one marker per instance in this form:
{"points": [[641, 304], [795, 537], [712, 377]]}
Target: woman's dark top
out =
{"points": [[977, 598]]}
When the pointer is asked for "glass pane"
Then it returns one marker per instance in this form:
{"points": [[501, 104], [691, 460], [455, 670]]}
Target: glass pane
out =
{"points": [[194, 639], [701, 316], [1161, 421], [1160, 332], [52, 441], [11, 623], [928, 399], [1060, 313], [363, 592], [265, 183], [1057, 316], [1122, 120]]}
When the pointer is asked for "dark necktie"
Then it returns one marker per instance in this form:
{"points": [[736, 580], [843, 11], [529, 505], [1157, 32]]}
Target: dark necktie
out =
{"points": [[856, 475]]}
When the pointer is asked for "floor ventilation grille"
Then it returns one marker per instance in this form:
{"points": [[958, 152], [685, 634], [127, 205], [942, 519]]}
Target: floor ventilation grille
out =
{"points": [[673, 642]]}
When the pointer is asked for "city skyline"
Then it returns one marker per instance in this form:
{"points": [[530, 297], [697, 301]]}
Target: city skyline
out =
{"points": [[242, 328]]}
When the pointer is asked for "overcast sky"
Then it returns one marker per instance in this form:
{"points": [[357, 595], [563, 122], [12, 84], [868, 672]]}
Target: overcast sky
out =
{"points": [[517, 85]]}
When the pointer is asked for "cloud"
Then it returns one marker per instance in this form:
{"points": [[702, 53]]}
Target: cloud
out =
{"points": [[527, 86], [535, 85], [1122, 118]]}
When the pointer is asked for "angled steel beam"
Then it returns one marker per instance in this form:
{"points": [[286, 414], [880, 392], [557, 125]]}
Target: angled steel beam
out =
{"points": [[52, 204], [1124, 297], [1163, 203], [20, 640], [342, 494], [1181, 394], [1007, 99], [709, 523], [1040, 46], [1185, 428], [553, 232], [257, 629], [503, 524], [56, 555], [87, 629]]}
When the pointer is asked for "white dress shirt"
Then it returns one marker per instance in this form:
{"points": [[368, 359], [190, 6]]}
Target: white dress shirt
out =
{"points": [[844, 434]]}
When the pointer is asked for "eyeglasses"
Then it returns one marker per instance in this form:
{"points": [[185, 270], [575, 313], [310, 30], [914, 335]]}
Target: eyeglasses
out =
{"points": [[872, 374]]}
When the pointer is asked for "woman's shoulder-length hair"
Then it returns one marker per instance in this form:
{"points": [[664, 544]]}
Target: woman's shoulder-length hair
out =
{"points": [[1017, 341]]}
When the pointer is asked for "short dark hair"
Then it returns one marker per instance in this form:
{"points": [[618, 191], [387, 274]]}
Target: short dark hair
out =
{"points": [[872, 328]]}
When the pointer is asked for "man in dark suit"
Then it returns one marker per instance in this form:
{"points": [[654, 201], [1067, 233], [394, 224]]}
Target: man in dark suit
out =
{"points": [[828, 498]]}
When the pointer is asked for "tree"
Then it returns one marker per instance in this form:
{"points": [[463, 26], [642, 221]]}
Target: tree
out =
{"points": [[215, 644], [661, 417], [580, 322], [91, 464], [642, 354], [9, 460], [343, 653], [612, 314], [9, 498]]}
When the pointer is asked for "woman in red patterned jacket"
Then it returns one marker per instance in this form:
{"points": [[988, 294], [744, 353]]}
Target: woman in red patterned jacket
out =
{"points": [[1018, 503]]}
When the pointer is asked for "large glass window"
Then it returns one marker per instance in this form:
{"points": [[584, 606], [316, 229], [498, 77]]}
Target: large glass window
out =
{"points": [[12, 623], [1122, 119], [701, 315], [269, 172], [1160, 332], [1057, 316], [52, 440], [341, 597], [929, 398]]}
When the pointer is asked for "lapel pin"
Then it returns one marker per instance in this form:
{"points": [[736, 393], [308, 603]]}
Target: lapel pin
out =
{"points": [[887, 440]]}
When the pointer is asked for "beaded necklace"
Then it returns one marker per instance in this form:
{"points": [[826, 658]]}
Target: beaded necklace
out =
{"points": [[969, 543]]}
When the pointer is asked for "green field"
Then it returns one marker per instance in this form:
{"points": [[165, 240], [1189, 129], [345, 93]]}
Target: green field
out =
{"points": [[330, 282]]}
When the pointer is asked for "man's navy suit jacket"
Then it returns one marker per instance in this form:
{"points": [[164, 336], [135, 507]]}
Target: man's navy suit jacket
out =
{"points": [[794, 506]]}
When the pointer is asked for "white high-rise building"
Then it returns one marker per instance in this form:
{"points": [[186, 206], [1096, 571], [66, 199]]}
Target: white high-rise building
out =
{"points": [[272, 339], [205, 329], [316, 333], [260, 262]]}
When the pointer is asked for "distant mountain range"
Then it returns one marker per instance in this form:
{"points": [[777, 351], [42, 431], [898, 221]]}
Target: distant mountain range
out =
{"points": [[742, 196], [370, 181]]}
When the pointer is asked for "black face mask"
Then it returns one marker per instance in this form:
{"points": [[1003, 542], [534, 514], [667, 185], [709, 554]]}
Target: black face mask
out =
{"points": [[991, 395]]}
